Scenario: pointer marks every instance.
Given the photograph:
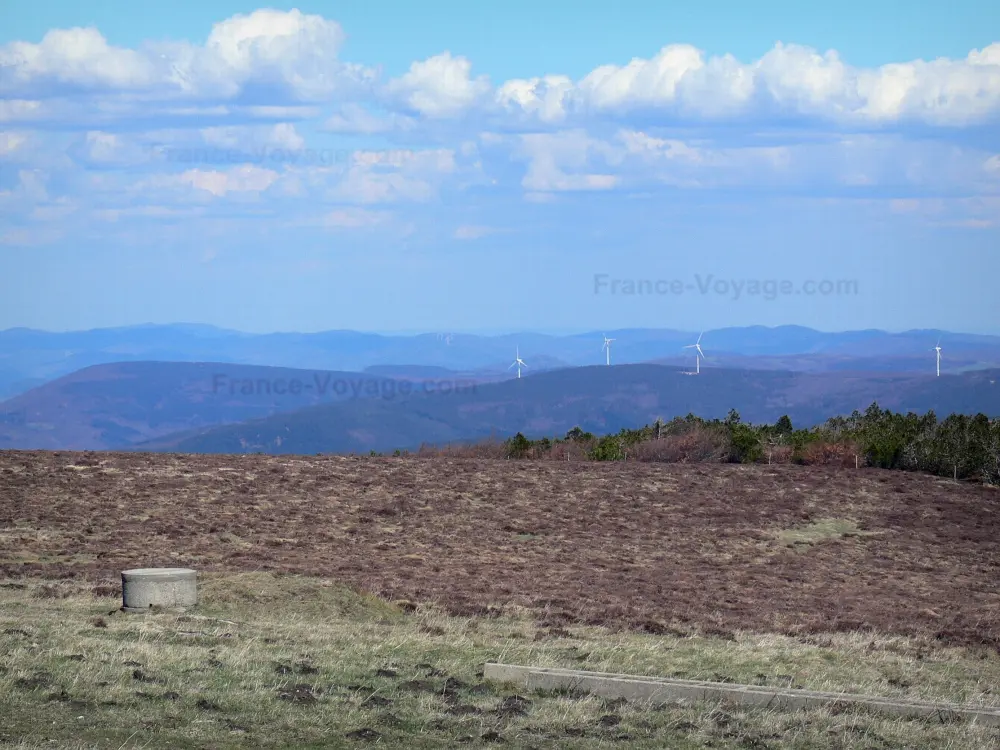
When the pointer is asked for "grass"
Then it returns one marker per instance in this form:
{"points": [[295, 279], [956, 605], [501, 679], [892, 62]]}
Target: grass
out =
{"points": [[291, 661], [821, 530]]}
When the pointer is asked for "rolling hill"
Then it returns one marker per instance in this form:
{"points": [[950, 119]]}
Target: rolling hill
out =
{"points": [[116, 405], [29, 358], [598, 399]]}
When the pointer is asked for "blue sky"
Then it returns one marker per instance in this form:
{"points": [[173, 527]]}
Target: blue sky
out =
{"points": [[391, 166]]}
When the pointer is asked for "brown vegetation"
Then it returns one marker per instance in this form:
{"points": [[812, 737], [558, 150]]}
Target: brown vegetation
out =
{"points": [[698, 444], [640, 545]]}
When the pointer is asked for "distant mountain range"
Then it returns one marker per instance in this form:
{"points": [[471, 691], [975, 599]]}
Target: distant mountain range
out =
{"points": [[117, 405], [220, 407], [598, 399], [29, 358]]}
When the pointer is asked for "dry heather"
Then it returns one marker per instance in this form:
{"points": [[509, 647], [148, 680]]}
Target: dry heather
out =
{"points": [[839, 580], [641, 546]]}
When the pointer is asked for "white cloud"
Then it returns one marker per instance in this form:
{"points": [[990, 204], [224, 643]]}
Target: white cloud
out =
{"points": [[283, 136], [273, 59], [280, 54], [392, 176], [440, 86], [562, 161], [362, 186], [15, 110], [11, 143], [79, 57], [243, 179], [242, 107], [354, 118], [30, 187], [789, 79], [544, 98], [101, 149]]}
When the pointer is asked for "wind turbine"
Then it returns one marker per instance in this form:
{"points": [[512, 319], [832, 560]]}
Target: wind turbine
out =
{"points": [[938, 350], [607, 345], [699, 355], [518, 362]]}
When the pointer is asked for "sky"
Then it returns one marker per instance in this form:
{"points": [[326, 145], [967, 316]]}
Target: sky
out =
{"points": [[474, 167]]}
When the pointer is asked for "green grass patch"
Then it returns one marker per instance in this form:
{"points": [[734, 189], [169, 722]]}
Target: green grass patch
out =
{"points": [[289, 661]]}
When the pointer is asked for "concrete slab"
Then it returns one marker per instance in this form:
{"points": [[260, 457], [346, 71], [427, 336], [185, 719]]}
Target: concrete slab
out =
{"points": [[659, 690]]}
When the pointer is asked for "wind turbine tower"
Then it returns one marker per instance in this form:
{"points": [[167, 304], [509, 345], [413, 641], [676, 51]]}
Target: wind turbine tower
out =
{"points": [[699, 354], [518, 362], [607, 346], [938, 350]]}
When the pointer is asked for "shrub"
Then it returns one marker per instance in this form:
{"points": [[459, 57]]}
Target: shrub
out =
{"points": [[517, 447]]}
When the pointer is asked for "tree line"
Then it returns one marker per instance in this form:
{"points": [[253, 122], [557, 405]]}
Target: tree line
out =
{"points": [[959, 446]]}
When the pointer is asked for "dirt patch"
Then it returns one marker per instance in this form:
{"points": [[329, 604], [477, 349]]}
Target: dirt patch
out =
{"points": [[658, 548], [300, 693]]}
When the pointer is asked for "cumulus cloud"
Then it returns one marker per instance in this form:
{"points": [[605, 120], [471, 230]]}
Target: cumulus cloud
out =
{"points": [[788, 80], [79, 58], [272, 58], [267, 55], [439, 87], [543, 98], [218, 124]]}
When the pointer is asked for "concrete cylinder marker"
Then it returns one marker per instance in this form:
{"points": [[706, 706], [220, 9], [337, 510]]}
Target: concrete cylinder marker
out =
{"points": [[144, 588]]}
